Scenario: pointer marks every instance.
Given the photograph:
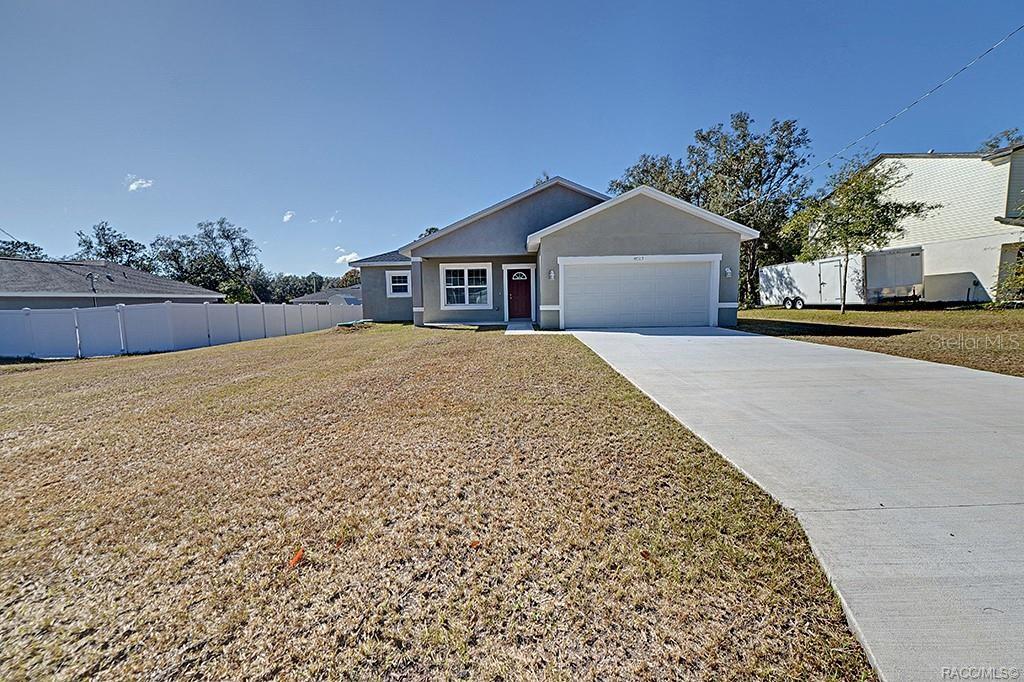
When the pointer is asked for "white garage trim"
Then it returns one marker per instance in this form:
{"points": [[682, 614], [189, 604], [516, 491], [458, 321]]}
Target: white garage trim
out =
{"points": [[728, 305], [713, 259]]}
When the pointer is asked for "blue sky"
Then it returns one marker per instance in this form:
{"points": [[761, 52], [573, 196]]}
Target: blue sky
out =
{"points": [[372, 120]]}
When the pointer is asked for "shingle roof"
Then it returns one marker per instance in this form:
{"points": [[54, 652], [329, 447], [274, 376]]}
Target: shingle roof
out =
{"points": [[21, 276], [353, 295], [389, 257], [1003, 151]]}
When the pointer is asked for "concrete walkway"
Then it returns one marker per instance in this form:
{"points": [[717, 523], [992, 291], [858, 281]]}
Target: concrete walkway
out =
{"points": [[908, 477]]}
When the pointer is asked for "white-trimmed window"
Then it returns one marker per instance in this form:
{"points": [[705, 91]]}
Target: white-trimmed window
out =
{"points": [[465, 285], [399, 283]]}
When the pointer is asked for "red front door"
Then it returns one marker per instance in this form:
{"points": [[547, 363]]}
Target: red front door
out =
{"points": [[518, 286]]}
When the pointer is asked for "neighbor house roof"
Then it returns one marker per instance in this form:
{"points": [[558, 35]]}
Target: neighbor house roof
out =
{"points": [[984, 156], [89, 278], [557, 180], [1003, 151], [389, 258], [352, 295], [533, 241]]}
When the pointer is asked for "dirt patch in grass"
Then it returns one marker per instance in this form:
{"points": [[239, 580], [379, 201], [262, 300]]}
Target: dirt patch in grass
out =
{"points": [[992, 340], [465, 505]]}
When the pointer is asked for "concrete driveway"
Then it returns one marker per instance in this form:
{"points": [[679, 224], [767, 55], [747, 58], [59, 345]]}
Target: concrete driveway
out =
{"points": [[908, 477]]}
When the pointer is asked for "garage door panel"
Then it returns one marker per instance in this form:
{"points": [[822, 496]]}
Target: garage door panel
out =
{"points": [[636, 294]]}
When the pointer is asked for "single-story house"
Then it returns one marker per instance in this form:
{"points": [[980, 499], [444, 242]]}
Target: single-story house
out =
{"points": [[566, 256], [85, 284], [333, 295]]}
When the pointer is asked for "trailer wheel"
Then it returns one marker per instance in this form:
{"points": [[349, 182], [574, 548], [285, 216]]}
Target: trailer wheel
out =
{"points": [[787, 303], [798, 303]]}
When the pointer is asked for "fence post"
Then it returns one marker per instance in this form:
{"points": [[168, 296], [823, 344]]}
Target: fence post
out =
{"points": [[318, 316], [263, 309], [238, 321], [78, 335], [209, 338], [31, 331], [170, 325], [121, 329]]}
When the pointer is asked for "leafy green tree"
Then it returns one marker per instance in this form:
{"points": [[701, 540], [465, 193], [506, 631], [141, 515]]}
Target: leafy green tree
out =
{"points": [[755, 178], [108, 244], [854, 214], [219, 256], [1004, 138], [350, 278], [16, 248], [1011, 278], [285, 287]]}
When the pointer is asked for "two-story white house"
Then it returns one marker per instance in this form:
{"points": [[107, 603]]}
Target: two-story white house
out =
{"points": [[979, 228], [959, 252]]}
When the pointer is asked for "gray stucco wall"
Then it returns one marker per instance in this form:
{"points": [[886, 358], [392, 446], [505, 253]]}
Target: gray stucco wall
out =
{"points": [[638, 227], [376, 304], [504, 233], [431, 290], [45, 302]]}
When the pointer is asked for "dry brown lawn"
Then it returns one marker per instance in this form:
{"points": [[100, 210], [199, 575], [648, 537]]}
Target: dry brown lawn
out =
{"points": [[467, 505], [980, 338]]}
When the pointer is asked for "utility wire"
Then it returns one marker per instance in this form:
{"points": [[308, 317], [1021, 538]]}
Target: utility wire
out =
{"points": [[900, 112], [9, 234]]}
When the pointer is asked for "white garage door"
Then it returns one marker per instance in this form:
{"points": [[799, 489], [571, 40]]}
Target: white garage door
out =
{"points": [[636, 294]]}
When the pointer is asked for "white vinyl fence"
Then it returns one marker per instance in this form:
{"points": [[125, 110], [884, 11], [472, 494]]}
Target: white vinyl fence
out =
{"points": [[155, 327]]}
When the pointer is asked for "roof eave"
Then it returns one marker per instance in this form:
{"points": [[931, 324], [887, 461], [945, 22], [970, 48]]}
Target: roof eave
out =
{"points": [[746, 233], [494, 208]]}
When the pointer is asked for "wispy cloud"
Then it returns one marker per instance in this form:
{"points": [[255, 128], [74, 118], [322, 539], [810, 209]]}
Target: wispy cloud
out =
{"points": [[288, 215], [134, 183], [334, 217], [345, 257]]}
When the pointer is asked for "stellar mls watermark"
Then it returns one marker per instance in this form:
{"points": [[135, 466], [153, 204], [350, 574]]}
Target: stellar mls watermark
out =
{"points": [[980, 672], [962, 342]]}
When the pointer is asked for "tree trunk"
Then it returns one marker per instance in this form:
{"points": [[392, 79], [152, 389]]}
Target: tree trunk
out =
{"points": [[749, 290], [842, 284]]}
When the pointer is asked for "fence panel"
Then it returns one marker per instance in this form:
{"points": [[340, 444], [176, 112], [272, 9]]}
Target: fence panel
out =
{"points": [[147, 328], [188, 323], [250, 321], [293, 319], [15, 334], [99, 331], [223, 324], [275, 319], [349, 313], [156, 327], [53, 333], [308, 312], [323, 317]]}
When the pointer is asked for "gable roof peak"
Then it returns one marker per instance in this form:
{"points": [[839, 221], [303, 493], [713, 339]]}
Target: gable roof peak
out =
{"points": [[494, 208], [533, 240]]}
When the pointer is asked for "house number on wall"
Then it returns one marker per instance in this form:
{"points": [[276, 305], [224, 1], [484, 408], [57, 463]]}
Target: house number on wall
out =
{"points": [[639, 257]]}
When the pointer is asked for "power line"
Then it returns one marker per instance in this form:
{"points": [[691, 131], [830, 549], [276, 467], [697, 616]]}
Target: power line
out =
{"points": [[9, 234], [901, 111]]}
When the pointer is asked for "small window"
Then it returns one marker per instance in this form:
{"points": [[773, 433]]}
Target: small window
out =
{"points": [[399, 283], [466, 286], [518, 276]]}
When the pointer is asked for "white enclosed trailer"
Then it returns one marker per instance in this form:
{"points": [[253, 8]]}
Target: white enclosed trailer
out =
{"points": [[875, 277]]}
